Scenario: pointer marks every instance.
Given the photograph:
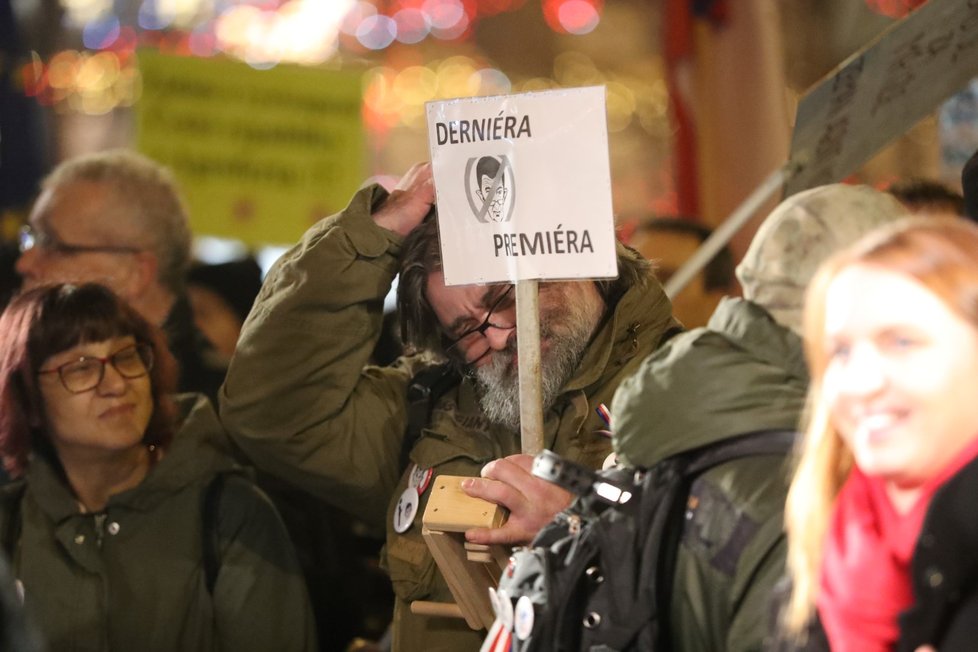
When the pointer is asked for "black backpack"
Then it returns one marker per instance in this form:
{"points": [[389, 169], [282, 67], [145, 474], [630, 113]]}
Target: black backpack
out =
{"points": [[598, 577]]}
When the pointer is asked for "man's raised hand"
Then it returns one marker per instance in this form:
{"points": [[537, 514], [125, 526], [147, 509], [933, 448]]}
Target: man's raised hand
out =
{"points": [[408, 202]]}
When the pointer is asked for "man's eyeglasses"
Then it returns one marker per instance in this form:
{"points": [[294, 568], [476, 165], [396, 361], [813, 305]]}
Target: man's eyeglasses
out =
{"points": [[473, 334], [87, 372], [29, 239]]}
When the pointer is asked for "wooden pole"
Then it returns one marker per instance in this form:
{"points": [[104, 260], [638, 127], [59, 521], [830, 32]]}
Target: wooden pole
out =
{"points": [[725, 231], [528, 351]]}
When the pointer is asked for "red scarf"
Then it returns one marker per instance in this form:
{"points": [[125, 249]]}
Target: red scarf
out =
{"points": [[865, 578]]}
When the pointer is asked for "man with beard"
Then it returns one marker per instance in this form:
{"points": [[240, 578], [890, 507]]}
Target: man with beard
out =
{"points": [[301, 402]]}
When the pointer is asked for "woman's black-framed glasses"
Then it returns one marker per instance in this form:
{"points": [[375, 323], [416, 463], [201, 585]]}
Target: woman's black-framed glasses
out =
{"points": [[87, 372], [500, 302]]}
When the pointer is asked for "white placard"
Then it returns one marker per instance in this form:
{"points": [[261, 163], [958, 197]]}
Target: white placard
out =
{"points": [[883, 90], [523, 186]]}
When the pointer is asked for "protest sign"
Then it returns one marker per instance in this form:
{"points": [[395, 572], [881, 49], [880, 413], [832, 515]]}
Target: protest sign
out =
{"points": [[882, 91], [523, 186], [259, 154]]}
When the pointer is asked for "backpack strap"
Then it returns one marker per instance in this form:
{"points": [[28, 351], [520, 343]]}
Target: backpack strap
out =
{"points": [[211, 544], [695, 463], [426, 387], [11, 497], [760, 442]]}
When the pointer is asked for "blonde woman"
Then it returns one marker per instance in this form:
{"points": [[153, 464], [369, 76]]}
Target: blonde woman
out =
{"points": [[882, 514]]}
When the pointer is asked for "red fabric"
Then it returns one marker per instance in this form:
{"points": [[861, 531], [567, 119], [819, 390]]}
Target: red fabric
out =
{"points": [[894, 8], [678, 47], [677, 42], [865, 578]]}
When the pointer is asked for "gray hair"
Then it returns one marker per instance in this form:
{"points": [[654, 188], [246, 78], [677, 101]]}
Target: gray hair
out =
{"points": [[145, 195]]}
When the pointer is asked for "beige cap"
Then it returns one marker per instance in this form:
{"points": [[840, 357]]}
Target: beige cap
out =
{"points": [[802, 232]]}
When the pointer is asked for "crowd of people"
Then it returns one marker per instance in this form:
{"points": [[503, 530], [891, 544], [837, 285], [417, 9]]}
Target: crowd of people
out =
{"points": [[196, 464]]}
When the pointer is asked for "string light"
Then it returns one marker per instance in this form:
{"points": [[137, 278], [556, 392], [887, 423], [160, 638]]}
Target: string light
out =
{"points": [[264, 33]]}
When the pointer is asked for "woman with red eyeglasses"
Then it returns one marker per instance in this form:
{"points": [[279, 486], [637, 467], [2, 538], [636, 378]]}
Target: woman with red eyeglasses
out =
{"points": [[129, 526]]}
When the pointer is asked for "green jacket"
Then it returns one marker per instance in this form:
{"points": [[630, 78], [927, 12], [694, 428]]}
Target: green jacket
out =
{"points": [[131, 577], [742, 373], [302, 404]]}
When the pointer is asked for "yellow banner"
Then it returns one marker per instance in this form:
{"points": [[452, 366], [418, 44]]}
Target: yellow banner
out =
{"points": [[259, 154]]}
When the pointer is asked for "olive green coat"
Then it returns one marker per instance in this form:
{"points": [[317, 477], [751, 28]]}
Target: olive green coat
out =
{"points": [[301, 403], [742, 373], [131, 577]]}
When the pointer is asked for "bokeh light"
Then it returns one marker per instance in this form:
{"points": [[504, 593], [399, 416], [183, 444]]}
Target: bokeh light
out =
{"points": [[359, 12], [78, 13], [150, 17], [377, 32], [572, 16], [265, 33], [578, 16], [894, 8], [101, 33], [412, 24]]}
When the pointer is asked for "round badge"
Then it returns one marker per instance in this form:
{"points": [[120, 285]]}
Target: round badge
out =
{"points": [[420, 478], [523, 618], [610, 462], [505, 613], [405, 509]]}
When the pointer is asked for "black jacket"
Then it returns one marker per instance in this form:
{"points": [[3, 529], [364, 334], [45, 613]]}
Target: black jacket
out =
{"points": [[944, 572], [199, 369]]}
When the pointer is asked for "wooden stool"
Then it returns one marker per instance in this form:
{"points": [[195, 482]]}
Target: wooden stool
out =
{"points": [[469, 569]]}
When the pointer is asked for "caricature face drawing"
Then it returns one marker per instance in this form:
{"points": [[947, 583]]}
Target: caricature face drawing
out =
{"points": [[496, 198], [490, 188]]}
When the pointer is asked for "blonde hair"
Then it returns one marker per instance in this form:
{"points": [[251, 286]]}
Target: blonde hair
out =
{"points": [[941, 254]]}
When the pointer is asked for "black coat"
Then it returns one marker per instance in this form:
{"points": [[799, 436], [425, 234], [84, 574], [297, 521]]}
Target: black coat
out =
{"points": [[944, 572]]}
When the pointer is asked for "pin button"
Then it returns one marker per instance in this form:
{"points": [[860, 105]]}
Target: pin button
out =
{"points": [[594, 574], [113, 528], [79, 539]]}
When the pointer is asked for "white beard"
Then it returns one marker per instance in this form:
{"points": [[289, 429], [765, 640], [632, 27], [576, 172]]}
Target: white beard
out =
{"points": [[498, 379]]}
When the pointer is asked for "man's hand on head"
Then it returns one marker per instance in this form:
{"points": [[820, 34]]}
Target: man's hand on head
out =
{"points": [[532, 502], [409, 201]]}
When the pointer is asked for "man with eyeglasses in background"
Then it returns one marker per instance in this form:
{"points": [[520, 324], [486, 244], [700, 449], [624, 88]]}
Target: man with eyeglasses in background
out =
{"points": [[302, 403], [116, 218]]}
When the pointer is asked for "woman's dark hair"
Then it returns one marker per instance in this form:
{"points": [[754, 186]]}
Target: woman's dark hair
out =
{"points": [[44, 321]]}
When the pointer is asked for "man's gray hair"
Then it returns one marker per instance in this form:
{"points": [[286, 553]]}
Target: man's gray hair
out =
{"points": [[144, 194]]}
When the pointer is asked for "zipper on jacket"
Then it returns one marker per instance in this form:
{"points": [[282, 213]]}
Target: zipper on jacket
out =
{"points": [[98, 520]]}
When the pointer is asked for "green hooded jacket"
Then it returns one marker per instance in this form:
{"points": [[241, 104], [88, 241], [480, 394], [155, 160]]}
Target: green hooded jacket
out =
{"points": [[132, 577], [742, 373], [302, 404]]}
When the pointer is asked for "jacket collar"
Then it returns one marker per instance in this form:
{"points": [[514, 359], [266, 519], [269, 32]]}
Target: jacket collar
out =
{"points": [[758, 333], [637, 323], [743, 373]]}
